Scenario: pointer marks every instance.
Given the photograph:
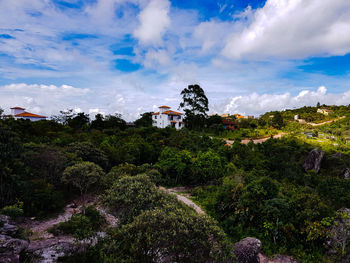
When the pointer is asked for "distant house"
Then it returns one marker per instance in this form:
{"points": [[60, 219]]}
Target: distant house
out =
{"points": [[19, 113], [225, 115], [229, 124], [166, 117], [239, 116], [324, 111]]}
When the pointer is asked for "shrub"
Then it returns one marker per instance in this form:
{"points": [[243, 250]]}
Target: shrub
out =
{"points": [[79, 225], [13, 211]]}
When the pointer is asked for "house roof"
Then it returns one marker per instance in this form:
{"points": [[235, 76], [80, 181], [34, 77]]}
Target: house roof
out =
{"points": [[164, 107], [173, 121], [170, 112], [17, 108], [28, 114], [239, 116], [155, 113]]}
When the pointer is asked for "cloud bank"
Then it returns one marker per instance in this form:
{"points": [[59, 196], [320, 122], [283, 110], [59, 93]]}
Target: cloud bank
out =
{"points": [[256, 104]]}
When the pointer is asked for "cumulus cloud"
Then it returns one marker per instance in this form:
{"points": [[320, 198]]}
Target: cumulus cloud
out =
{"points": [[293, 29], [38, 98], [212, 34], [154, 20], [256, 104]]}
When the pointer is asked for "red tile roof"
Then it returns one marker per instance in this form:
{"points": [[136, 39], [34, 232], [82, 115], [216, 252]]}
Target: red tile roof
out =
{"points": [[164, 107], [173, 121], [17, 108], [28, 114], [155, 113]]}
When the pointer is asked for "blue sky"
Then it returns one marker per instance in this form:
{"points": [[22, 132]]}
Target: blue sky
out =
{"points": [[130, 56]]}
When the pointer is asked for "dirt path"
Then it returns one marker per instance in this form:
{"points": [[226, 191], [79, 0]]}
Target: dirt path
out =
{"points": [[182, 197], [325, 122], [246, 141], [40, 227]]}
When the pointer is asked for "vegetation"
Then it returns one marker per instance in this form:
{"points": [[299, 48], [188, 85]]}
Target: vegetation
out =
{"points": [[258, 190]]}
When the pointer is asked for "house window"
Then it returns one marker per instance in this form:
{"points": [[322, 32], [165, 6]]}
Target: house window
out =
{"points": [[155, 117]]}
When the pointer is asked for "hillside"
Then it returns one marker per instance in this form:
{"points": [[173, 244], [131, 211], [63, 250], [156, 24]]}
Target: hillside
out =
{"points": [[98, 190]]}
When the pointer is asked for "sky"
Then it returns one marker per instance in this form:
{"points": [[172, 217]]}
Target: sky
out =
{"points": [[131, 56]]}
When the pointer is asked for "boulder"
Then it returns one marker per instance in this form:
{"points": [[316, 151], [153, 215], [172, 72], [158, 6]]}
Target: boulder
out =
{"points": [[6, 227], [247, 250], [10, 248], [313, 160], [347, 173], [49, 250]]}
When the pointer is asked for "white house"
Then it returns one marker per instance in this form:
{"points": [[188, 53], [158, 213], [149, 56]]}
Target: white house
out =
{"points": [[19, 113], [166, 117], [324, 111]]}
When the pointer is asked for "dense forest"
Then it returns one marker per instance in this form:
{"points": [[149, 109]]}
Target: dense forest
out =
{"points": [[247, 190]]}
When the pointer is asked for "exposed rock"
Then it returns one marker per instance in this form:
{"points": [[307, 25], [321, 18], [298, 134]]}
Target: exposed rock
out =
{"points": [[313, 160], [10, 248], [277, 259], [247, 250], [347, 173], [49, 250]]}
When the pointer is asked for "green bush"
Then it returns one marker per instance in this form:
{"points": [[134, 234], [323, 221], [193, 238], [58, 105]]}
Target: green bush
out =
{"points": [[13, 211], [79, 225]]}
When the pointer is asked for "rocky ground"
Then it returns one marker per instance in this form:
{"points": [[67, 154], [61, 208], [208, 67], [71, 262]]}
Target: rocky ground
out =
{"points": [[42, 246]]}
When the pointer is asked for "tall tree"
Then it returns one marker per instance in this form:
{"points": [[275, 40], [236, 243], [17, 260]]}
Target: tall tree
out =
{"points": [[195, 104], [145, 120]]}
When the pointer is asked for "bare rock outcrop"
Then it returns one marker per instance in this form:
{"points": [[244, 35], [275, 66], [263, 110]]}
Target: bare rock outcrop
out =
{"points": [[49, 250], [313, 160], [6, 227], [10, 246], [347, 173], [247, 250]]}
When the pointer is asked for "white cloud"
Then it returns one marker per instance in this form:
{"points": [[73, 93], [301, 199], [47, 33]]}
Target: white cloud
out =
{"points": [[38, 98], [155, 58], [255, 104], [154, 20], [293, 29], [212, 34]]}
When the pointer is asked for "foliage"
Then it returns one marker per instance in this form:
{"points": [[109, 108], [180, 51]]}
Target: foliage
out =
{"points": [[82, 175], [145, 120], [81, 226], [168, 233], [195, 105], [130, 195], [13, 210]]}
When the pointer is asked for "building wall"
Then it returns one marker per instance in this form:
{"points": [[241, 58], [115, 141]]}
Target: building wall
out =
{"points": [[162, 121], [30, 118], [16, 111]]}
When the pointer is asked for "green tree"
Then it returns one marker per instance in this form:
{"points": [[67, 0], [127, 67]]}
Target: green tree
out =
{"points": [[175, 166], [79, 121], [145, 120], [170, 233], [277, 120], [130, 195], [98, 122], [207, 166], [89, 152], [82, 175], [195, 105]]}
